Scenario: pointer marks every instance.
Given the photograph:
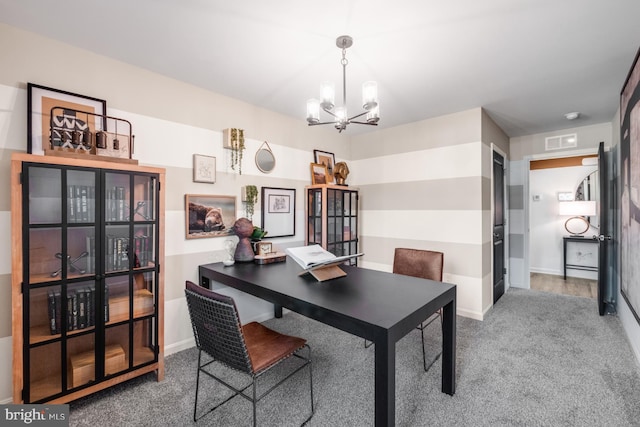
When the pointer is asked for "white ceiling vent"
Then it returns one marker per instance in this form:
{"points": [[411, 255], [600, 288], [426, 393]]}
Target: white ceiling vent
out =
{"points": [[561, 142]]}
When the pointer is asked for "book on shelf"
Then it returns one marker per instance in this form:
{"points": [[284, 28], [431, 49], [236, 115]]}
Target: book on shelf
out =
{"points": [[80, 203], [52, 311], [80, 309], [320, 263]]}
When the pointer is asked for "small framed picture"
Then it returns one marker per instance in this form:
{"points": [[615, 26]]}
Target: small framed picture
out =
{"points": [[204, 169], [279, 211], [327, 159], [264, 248], [319, 174], [209, 216]]}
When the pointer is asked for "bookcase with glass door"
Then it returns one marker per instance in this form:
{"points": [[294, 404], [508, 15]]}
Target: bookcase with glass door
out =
{"points": [[87, 284], [332, 218]]}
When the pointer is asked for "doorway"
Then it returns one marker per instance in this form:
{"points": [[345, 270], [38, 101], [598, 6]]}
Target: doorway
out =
{"points": [[562, 260]]}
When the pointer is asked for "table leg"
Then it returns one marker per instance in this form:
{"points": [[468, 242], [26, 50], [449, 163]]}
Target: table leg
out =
{"points": [[277, 311], [385, 382], [449, 348]]}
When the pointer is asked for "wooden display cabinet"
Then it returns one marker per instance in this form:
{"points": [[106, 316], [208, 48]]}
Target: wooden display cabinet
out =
{"points": [[87, 288], [332, 218]]}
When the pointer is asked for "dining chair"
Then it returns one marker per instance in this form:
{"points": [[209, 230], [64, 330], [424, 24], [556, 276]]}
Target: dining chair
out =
{"points": [[252, 349], [425, 264]]}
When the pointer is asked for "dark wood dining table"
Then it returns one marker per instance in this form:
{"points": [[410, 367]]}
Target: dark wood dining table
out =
{"points": [[378, 306]]}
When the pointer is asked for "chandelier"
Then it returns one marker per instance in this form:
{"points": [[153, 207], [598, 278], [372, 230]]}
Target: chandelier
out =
{"points": [[339, 114]]}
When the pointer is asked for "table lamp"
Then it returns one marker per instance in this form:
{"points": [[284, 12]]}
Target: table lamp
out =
{"points": [[578, 211]]}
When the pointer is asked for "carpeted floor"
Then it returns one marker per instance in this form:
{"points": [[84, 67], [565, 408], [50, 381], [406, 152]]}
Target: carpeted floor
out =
{"points": [[538, 359]]}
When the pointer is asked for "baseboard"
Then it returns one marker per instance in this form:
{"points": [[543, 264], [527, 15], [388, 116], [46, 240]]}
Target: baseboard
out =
{"points": [[179, 346], [546, 271], [190, 342], [6, 401], [470, 314]]}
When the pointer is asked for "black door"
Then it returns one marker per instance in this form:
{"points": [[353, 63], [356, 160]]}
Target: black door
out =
{"points": [[498, 226], [604, 237]]}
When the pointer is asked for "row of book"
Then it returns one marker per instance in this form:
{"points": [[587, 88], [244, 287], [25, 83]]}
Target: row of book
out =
{"points": [[116, 209], [80, 308], [81, 204], [117, 254]]}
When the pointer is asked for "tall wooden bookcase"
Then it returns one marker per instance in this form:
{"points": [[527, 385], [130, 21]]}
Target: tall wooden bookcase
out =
{"points": [[332, 218], [87, 280]]}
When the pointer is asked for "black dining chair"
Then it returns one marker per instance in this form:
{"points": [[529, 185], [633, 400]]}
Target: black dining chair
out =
{"points": [[425, 264], [252, 349]]}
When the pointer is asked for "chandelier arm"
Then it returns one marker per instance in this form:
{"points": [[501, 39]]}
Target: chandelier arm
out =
{"points": [[330, 112], [321, 123], [364, 123], [359, 115]]}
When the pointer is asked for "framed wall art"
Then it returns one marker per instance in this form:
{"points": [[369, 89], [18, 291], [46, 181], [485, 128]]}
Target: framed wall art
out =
{"points": [[40, 101], [209, 216], [327, 159], [319, 174], [630, 177], [204, 169], [279, 211]]}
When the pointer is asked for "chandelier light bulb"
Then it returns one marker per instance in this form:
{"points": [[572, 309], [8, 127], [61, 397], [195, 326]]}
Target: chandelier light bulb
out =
{"points": [[313, 111], [369, 95], [327, 95], [373, 115]]}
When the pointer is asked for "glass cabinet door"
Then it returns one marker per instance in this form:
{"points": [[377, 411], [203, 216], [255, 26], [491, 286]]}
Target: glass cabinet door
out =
{"points": [[332, 219], [60, 294], [91, 276]]}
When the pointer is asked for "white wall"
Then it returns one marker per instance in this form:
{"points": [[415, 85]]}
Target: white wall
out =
{"points": [[547, 227]]}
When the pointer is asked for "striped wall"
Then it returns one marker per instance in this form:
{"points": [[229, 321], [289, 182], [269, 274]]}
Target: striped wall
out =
{"points": [[171, 122], [523, 150], [427, 185], [423, 185]]}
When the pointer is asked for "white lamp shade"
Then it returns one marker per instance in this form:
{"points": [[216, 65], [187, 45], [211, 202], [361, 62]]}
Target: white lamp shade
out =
{"points": [[577, 208], [313, 111], [369, 95], [327, 95]]}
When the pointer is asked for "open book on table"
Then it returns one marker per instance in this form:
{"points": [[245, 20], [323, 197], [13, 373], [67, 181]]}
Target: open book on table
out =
{"points": [[314, 258]]}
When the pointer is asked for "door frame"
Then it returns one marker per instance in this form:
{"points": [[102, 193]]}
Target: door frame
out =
{"points": [[527, 198], [505, 184]]}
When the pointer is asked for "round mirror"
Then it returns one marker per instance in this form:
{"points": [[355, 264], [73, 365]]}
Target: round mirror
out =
{"points": [[588, 191], [265, 160]]}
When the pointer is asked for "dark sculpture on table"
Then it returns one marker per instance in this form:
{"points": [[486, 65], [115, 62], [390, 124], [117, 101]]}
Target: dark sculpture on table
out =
{"points": [[243, 228]]}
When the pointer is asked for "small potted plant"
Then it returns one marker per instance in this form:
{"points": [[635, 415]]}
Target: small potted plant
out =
{"points": [[250, 199], [256, 238], [236, 142]]}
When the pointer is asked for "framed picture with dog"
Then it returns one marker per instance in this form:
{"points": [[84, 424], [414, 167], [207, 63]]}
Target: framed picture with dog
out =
{"points": [[209, 216]]}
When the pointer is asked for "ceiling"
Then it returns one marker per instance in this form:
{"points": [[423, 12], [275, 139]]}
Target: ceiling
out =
{"points": [[526, 62]]}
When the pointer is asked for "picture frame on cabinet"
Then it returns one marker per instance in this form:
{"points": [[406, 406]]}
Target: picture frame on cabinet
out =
{"points": [[209, 215], [319, 174], [204, 169], [278, 210], [40, 101], [327, 159]]}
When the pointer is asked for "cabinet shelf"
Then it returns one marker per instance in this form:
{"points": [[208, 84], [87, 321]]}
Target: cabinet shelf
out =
{"points": [[86, 258]]}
